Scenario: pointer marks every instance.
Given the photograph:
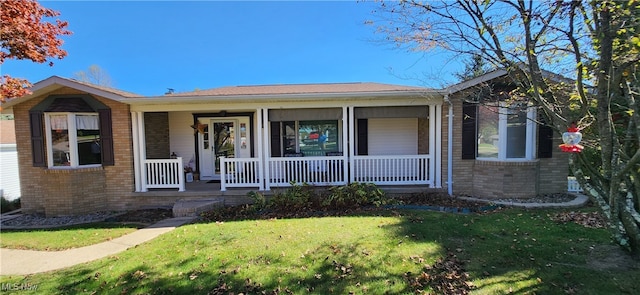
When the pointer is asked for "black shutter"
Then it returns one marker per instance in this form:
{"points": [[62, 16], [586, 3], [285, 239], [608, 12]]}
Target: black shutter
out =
{"points": [[363, 137], [106, 137], [275, 140], [37, 139], [469, 136], [545, 141]]}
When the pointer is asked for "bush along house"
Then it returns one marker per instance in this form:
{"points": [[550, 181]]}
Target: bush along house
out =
{"points": [[84, 148]]}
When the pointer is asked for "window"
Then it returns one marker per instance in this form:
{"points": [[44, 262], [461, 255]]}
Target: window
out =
{"points": [[305, 138], [505, 132], [73, 139]]}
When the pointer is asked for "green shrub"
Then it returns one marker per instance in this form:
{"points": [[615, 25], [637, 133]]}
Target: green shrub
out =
{"points": [[8, 206], [259, 201], [355, 195], [297, 197]]}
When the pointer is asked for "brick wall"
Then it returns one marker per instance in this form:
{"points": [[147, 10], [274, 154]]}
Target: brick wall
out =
{"points": [[423, 136], [77, 191], [505, 179], [156, 129], [552, 177], [462, 169], [68, 192]]}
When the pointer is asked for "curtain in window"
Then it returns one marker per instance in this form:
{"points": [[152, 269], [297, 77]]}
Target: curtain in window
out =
{"points": [[59, 122], [87, 122]]}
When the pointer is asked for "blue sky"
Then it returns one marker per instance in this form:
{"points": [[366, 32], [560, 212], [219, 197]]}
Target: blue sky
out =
{"points": [[149, 46]]}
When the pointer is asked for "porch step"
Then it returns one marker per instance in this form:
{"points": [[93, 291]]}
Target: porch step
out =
{"points": [[190, 208]]}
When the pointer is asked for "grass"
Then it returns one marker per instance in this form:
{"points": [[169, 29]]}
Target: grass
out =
{"points": [[55, 239], [512, 251]]}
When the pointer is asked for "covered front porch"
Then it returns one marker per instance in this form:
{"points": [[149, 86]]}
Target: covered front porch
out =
{"points": [[272, 146]]}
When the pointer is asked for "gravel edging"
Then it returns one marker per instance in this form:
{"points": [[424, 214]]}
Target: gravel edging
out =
{"points": [[27, 221], [580, 200]]}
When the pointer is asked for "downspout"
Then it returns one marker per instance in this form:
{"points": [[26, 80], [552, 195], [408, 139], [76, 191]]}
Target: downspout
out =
{"points": [[449, 146]]}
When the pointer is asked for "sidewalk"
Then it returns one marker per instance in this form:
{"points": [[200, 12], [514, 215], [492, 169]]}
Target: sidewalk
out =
{"points": [[23, 262]]}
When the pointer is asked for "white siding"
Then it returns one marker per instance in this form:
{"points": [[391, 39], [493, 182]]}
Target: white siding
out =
{"points": [[181, 136], [9, 176], [393, 136]]}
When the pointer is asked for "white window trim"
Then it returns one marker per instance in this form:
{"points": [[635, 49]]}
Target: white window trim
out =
{"points": [[299, 140], [73, 138], [530, 143]]}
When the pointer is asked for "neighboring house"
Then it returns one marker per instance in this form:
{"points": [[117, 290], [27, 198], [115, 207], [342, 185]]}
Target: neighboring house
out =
{"points": [[9, 176], [85, 148]]}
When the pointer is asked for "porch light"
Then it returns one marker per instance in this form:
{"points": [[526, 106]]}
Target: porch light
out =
{"points": [[571, 138]]}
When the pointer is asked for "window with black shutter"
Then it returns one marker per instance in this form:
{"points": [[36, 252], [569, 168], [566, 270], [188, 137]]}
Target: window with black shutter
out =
{"points": [[77, 132], [469, 133]]}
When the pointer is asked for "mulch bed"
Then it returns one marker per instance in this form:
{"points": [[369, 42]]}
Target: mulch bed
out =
{"points": [[146, 216]]}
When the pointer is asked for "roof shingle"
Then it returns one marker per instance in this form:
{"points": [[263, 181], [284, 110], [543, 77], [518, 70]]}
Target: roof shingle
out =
{"points": [[300, 89]]}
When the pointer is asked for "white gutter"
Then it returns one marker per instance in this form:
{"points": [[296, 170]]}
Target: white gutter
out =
{"points": [[339, 96], [449, 146]]}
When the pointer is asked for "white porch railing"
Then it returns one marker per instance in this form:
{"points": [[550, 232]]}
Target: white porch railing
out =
{"points": [[393, 170], [312, 170], [240, 172], [164, 173], [573, 186], [326, 170]]}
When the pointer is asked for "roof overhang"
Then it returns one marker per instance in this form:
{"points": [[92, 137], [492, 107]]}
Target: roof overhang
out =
{"points": [[427, 93], [475, 81], [54, 83]]}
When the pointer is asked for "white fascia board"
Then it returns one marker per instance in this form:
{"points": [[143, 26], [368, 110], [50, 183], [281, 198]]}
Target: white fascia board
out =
{"points": [[53, 83], [475, 81], [431, 94]]}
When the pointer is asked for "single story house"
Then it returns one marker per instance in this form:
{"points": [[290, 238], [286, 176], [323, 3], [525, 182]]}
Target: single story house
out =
{"points": [[85, 148]]}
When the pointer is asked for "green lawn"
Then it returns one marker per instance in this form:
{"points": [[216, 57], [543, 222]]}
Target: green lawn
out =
{"points": [[64, 238], [512, 251]]}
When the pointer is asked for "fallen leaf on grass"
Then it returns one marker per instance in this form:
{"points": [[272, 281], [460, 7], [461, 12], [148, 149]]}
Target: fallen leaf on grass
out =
{"points": [[446, 276], [587, 219]]}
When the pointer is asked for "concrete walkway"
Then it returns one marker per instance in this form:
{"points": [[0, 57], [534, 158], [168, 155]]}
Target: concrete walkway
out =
{"points": [[23, 262]]}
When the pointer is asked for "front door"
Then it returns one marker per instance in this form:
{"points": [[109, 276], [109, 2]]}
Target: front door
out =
{"points": [[218, 140]]}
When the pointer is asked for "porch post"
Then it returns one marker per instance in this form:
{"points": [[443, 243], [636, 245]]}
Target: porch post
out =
{"points": [[432, 143], [223, 174], [438, 156], [266, 144], [180, 175], [143, 150], [345, 143], [139, 151], [352, 146], [261, 162], [136, 152]]}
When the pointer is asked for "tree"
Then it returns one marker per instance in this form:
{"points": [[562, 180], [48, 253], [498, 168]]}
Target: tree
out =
{"points": [[596, 43], [24, 34], [95, 75], [474, 67]]}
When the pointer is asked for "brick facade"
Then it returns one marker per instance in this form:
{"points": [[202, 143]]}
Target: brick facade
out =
{"points": [[56, 192], [156, 129], [423, 136]]}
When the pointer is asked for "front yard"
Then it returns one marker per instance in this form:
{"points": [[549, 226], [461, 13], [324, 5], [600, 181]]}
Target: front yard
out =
{"points": [[367, 252]]}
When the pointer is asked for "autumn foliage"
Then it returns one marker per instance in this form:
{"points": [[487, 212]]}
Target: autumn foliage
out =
{"points": [[25, 34]]}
